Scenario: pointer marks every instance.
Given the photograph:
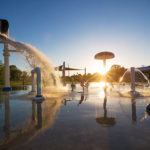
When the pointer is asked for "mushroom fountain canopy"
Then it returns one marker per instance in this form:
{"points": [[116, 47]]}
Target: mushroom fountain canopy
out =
{"points": [[104, 55]]}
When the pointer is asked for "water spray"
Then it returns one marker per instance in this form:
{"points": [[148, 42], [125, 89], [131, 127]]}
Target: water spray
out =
{"points": [[32, 56]]}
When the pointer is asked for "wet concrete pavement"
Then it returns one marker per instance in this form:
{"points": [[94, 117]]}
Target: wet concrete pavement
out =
{"points": [[74, 121]]}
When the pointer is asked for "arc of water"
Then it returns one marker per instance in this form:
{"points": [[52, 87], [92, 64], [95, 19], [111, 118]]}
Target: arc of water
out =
{"points": [[38, 57]]}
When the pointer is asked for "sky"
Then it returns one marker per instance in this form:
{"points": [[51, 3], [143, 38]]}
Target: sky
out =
{"points": [[75, 30]]}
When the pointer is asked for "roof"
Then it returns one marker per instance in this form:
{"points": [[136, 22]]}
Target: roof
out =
{"points": [[144, 68], [66, 68]]}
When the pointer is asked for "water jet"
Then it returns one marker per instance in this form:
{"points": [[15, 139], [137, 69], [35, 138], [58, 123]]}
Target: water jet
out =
{"points": [[38, 97]]}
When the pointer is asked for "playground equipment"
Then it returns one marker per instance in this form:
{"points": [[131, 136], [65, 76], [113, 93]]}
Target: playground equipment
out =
{"points": [[86, 85], [137, 80], [38, 97], [63, 74], [103, 56], [73, 86], [4, 25], [30, 53], [133, 92], [33, 92], [63, 69]]}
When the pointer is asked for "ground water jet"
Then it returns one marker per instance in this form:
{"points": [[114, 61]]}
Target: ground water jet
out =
{"points": [[134, 82], [133, 92], [38, 97]]}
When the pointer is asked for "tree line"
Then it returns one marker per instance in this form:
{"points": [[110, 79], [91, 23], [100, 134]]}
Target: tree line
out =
{"points": [[15, 74], [114, 75]]}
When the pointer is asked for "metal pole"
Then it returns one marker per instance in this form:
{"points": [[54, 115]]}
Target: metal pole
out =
{"points": [[104, 66], [6, 63], [33, 83], [85, 73], [38, 70], [132, 79], [64, 77], [38, 97], [68, 71]]}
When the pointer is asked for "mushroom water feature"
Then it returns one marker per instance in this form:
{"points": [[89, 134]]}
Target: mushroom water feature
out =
{"points": [[103, 56]]}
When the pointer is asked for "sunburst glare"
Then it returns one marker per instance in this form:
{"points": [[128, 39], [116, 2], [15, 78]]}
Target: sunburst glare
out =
{"points": [[100, 69], [101, 94], [102, 84]]}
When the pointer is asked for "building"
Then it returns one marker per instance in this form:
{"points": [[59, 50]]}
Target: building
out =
{"points": [[145, 70]]}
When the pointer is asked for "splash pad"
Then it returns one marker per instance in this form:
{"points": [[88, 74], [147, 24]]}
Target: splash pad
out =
{"points": [[34, 59]]}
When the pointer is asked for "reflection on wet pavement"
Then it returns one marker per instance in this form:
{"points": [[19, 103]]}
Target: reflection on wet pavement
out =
{"points": [[79, 120]]}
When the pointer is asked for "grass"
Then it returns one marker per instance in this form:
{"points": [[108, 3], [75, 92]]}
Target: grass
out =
{"points": [[13, 83]]}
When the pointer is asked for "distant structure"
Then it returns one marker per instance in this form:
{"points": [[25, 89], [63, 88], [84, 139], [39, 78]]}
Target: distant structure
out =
{"points": [[145, 70], [63, 69]]}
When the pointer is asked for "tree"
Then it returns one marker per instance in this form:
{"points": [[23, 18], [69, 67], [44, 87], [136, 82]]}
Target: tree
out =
{"points": [[25, 75], [116, 72], [115, 67], [15, 73], [89, 75], [95, 76], [12, 67], [18, 74]]}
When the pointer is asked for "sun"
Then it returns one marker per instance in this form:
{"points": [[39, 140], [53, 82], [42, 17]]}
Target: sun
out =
{"points": [[98, 67], [102, 84], [102, 71]]}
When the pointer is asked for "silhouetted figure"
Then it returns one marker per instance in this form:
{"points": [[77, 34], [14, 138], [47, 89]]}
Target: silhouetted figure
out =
{"points": [[82, 98], [65, 101]]}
